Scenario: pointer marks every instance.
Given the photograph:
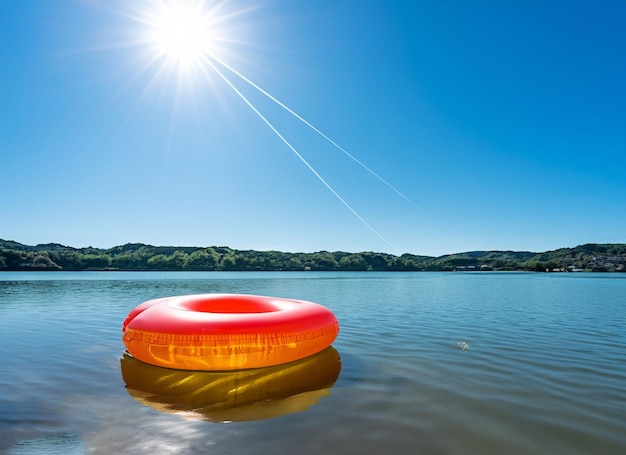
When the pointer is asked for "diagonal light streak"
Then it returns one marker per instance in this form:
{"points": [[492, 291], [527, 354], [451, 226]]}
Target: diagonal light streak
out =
{"points": [[355, 159], [282, 138]]}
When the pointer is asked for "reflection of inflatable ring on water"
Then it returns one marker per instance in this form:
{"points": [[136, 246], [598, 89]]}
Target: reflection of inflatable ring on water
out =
{"points": [[244, 395], [227, 331]]}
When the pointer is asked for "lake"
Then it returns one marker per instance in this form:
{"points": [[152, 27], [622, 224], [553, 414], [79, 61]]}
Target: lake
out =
{"points": [[425, 363]]}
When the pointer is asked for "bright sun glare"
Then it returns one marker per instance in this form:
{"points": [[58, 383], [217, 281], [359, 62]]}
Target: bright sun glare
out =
{"points": [[182, 33]]}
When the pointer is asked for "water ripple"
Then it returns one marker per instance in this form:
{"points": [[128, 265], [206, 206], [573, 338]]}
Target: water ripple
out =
{"points": [[433, 363]]}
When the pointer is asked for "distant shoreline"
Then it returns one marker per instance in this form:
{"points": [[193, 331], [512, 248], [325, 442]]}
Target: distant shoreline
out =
{"points": [[15, 256]]}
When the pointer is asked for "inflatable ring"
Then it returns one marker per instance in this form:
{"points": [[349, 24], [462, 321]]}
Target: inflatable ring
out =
{"points": [[227, 331]]}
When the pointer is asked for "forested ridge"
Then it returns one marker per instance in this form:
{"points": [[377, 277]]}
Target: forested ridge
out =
{"points": [[15, 256]]}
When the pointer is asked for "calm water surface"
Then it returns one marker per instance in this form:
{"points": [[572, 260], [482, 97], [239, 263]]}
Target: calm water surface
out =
{"points": [[432, 363]]}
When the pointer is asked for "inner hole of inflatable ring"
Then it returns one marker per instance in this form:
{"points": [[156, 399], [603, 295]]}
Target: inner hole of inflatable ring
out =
{"points": [[228, 304]]}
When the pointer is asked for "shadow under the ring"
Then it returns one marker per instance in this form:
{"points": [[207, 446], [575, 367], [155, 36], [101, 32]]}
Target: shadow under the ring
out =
{"points": [[233, 396]]}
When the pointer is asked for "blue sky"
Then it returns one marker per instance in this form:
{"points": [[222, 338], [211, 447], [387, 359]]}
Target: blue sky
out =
{"points": [[500, 125]]}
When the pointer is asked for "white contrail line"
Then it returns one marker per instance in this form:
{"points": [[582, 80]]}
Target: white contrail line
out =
{"points": [[321, 179], [228, 67]]}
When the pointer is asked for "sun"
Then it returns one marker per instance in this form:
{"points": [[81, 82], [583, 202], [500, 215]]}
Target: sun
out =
{"points": [[178, 41], [182, 33]]}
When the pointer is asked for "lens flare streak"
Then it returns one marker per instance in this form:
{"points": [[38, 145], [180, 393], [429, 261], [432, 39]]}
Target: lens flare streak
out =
{"points": [[292, 148], [296, 115]]}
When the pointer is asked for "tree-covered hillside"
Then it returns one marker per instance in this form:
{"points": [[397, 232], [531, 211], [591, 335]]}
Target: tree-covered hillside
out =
{"points": [[136, 256]]}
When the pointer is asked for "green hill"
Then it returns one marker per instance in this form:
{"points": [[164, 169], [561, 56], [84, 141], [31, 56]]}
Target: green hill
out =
{"points": [[137, 256]]}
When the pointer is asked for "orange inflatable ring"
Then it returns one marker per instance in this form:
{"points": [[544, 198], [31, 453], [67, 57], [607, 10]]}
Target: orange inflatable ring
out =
{"points": [[227, 331]]}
